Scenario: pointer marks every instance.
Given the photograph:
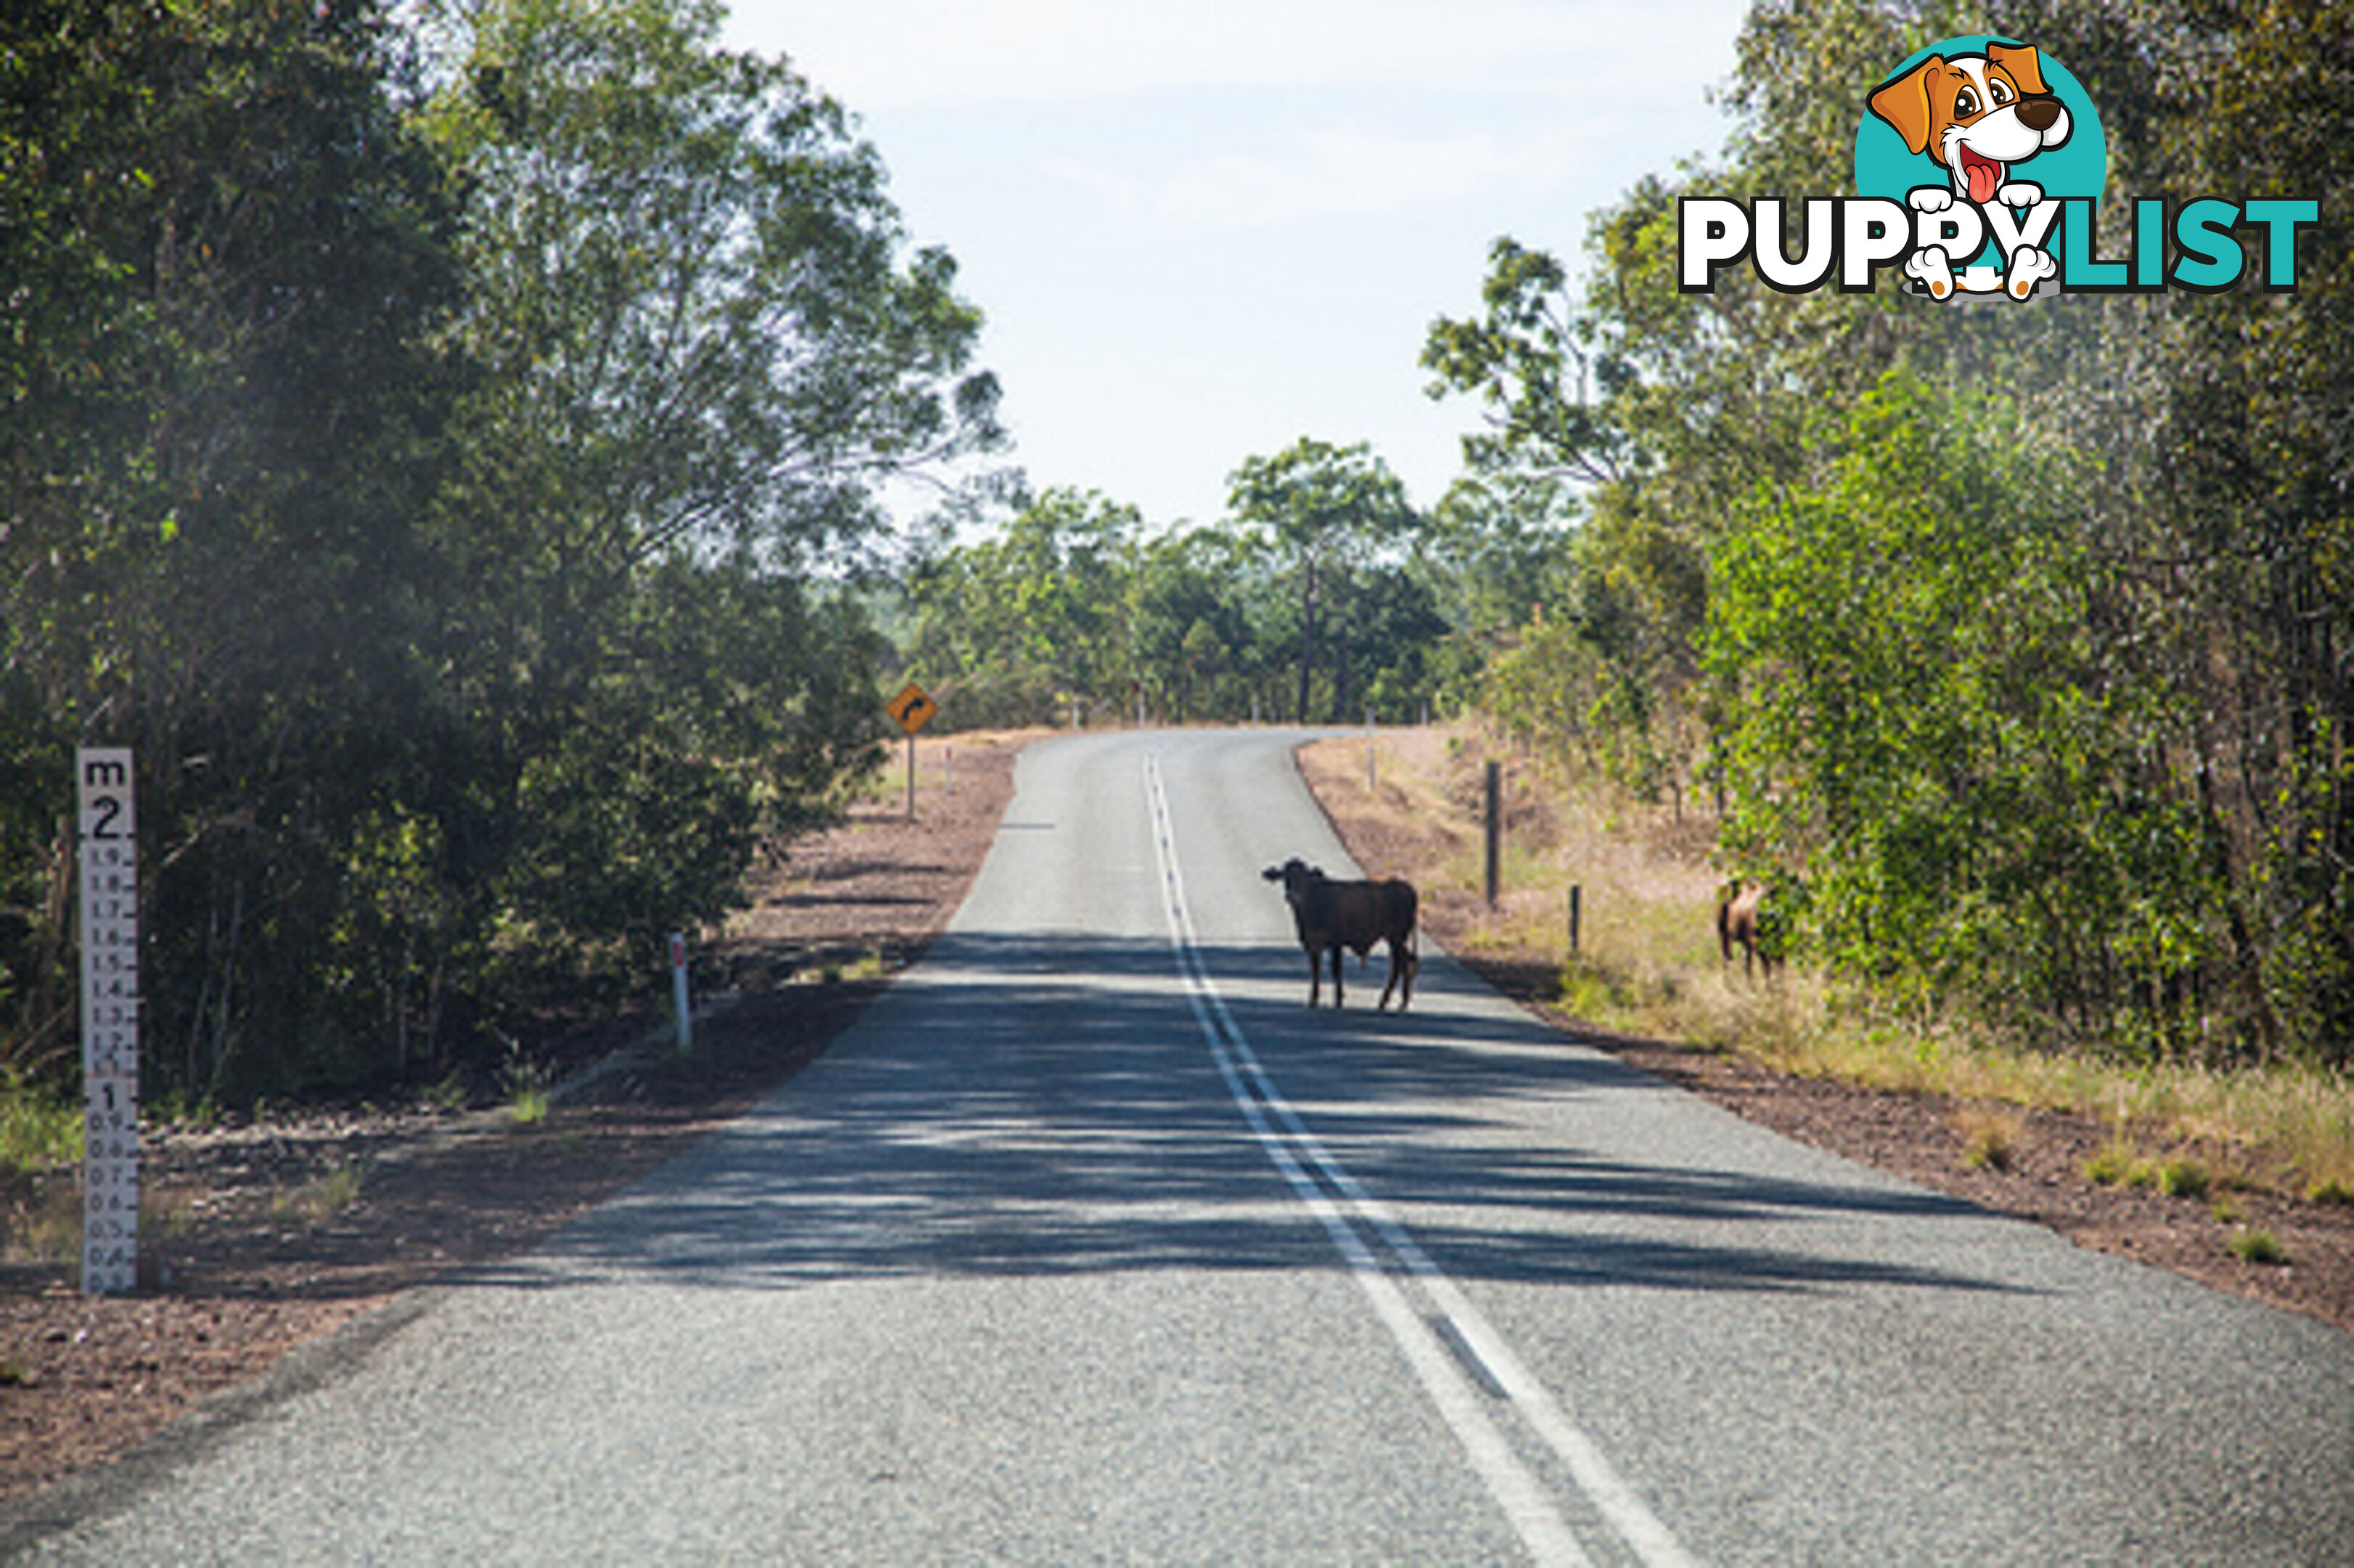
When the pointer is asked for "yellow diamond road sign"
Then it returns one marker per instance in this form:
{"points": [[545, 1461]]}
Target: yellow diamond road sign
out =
{"points": [[913, 708]]}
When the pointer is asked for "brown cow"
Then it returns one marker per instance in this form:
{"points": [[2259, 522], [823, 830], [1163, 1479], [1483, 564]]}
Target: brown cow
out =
{"points": [[1746, 915], [1334, 915]]}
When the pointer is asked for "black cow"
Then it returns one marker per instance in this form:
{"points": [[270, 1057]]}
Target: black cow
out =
{"points": [[1332, 915]]}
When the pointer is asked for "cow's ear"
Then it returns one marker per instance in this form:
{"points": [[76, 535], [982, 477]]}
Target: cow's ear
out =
{"points": [[1272, 873]]}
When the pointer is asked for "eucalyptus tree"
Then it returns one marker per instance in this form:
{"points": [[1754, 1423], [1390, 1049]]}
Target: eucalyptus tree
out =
{"points": [[224, 257], [1189, 625], [2236, 516], [1318, 512], [701, 339], [1018, 625], [693, 302]]}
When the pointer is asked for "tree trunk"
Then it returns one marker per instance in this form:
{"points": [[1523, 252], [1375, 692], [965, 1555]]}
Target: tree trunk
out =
{"points": [[1307, 638]]}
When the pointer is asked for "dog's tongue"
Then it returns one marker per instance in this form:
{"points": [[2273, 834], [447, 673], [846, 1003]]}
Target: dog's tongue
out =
{"points": [[1984, 174]]}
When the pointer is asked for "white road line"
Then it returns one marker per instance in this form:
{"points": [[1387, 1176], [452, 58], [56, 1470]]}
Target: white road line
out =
{"points": [[1302, 1159]]}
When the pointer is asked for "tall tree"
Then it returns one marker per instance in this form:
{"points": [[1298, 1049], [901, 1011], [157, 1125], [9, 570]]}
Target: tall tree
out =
{"points": [[691, 293], [1189, 626], [1317, 508], [224, 257], [1020, 624], [703, 340], [430, 485]]}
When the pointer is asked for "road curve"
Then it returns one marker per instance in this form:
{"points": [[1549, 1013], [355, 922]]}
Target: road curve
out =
{"points": [[1091, 1243]]}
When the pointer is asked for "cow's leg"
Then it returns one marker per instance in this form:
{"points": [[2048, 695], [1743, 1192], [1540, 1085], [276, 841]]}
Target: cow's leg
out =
{"points": [[1391, 983], [1336, 974], [1315, 975]]}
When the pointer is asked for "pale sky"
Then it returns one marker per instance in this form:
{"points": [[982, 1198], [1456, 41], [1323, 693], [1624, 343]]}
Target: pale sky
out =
{"points": [[1201, 229]]}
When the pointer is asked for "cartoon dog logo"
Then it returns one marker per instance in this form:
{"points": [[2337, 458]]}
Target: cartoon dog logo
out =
{"points": [[1978, 117]]}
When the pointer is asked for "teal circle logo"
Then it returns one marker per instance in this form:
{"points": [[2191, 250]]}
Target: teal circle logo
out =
{"points": [[1985, 119]]}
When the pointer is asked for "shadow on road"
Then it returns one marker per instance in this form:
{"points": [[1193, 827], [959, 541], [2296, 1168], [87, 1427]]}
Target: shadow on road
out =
{"points": [[1047, 1105]]}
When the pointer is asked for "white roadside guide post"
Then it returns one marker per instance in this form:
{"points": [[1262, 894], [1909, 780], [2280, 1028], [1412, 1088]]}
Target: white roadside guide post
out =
{"points": [[681, 1002], [108, 830]]}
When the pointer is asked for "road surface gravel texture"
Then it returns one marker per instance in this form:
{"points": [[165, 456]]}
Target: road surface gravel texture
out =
{"points": [[1091, 1242]]}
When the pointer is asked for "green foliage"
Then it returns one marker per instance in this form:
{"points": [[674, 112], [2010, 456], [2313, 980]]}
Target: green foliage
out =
{"points": [[2118, 1165], [528, 1084], [1496, 550], [1320, 515], [39, 1128], [1555, 687], [2044, 700], [1015, 628], [2255, 1244], [1543, 372], [1189, 625], [2112, 1166], [223, 418], [1921, 728], [688, 299], [1073, 602], [430, 486]]}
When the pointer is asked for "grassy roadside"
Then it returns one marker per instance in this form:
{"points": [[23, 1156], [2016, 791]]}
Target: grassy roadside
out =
{"points": [[1647, 964], [40, 1136]]}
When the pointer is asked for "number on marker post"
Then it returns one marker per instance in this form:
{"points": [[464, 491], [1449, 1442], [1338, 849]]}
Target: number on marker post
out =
{"points": [[108, 821]]}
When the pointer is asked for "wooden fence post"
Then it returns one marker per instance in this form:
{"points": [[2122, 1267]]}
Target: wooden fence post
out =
{"points": [[1495, 826]]}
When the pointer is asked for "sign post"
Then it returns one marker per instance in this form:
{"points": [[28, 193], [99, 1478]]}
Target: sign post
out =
{"points": [[107, 827], [913, 708]]}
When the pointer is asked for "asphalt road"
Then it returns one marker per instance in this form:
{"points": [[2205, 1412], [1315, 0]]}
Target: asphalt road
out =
{"points": [[1090, 1242]]}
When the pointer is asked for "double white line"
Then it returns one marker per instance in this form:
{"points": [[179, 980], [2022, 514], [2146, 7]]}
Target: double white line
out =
{"points": [[1450, 1344]]}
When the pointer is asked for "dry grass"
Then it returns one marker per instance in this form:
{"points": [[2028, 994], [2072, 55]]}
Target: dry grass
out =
{"points": [[943, 757], [41, 1221], [1989, 1136], [322, 1200], [1647, 964]]}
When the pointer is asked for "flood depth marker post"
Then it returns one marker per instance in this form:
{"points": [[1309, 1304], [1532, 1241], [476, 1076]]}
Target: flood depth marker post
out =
{"points": [[107, 827]]}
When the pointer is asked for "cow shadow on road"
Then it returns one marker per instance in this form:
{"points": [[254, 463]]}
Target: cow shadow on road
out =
{"points": [[1051, 1104]]}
